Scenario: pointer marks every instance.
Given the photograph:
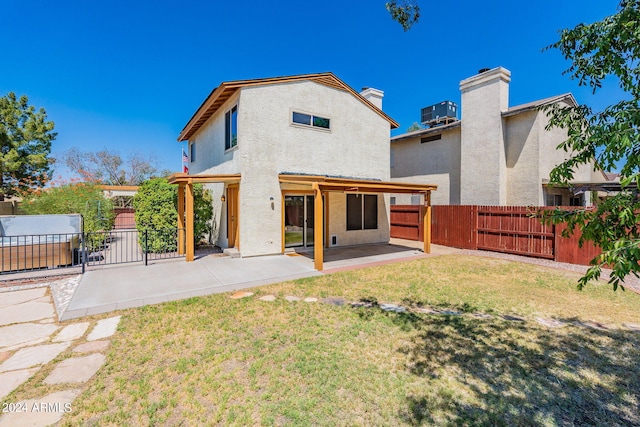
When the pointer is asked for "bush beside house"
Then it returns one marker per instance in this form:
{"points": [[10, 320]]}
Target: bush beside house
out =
{"points": [[156, 212], [86, 199]]}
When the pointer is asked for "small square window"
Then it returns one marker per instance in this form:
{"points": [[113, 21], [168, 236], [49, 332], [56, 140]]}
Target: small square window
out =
{"points": [[302, 119], [321, 122]]}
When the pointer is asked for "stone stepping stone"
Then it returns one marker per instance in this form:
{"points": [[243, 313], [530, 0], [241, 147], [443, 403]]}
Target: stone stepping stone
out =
{"points": [[310, 299], [632, 326], [43, 411], [104, 328], [451, 312], [15, 336], [9, 381], [72, 332], [334, 301], [18, 297], [33, 356], [427, 310], [268, 298], [592, 325], [482, 315], [76, 369], [292, 298], [393, 308], [26, 312], [513, 318], [4, 355], [551, 323], [363, 304], [50, 320], [242, 294], [92, 347]]}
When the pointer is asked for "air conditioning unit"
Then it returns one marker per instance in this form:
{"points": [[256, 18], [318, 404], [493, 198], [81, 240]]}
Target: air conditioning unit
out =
{"points": [[444, 112]]}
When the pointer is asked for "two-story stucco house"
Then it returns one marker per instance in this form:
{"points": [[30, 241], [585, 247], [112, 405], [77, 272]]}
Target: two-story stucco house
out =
{"points": [[494, 155], [293, 162]]}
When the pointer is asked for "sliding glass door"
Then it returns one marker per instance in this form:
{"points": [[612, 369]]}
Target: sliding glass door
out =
{"points": [[298, 221]]}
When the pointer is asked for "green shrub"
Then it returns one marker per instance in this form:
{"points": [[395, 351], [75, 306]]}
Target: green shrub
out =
{"points": [[86, 199], [155, 205]]}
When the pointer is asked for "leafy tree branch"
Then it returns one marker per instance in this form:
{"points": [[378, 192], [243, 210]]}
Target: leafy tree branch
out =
{"points": [[25, 145], [601, 53]]}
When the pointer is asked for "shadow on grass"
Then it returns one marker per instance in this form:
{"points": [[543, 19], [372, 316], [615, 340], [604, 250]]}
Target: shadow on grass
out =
{"points": [[496, 372]]}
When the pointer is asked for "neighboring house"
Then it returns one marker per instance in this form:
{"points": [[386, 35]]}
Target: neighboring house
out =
{"points": [[494, 155], [292, 161]]}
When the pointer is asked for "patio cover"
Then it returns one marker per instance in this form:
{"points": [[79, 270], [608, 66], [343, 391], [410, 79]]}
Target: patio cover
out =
{"points": [[185, 206], [319, 184]]}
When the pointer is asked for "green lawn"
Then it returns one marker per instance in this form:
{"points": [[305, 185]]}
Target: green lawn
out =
{"points": [[217, 361]]}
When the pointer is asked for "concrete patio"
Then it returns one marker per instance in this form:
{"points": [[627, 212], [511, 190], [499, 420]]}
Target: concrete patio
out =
{"points": [[110, 289]]}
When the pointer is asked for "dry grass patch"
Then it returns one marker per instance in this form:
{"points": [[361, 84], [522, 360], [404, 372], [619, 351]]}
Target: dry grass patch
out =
{"points": [[216, 361]]}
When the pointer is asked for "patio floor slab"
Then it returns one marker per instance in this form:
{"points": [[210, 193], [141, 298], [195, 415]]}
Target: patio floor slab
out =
{"points": [[111, 289]]}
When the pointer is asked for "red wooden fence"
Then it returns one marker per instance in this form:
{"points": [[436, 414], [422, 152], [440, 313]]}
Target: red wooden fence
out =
{"points": [[406, 222], [508, 229], [125, 218]]}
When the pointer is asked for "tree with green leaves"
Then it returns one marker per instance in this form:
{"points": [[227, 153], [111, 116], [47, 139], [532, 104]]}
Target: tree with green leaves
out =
{"points": [[414, 127], [82, 198], [404, 12], [25, 145], [155, 205], [604, 52]]}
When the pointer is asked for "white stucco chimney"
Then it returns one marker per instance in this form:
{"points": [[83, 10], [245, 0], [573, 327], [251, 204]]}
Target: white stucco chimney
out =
{"points": [[372, 95], [483, 167]]}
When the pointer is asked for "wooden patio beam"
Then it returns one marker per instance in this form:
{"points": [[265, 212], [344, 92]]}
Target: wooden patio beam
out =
{"points": [[189, 222], [318, 249], [181, 230], [426, 224]]}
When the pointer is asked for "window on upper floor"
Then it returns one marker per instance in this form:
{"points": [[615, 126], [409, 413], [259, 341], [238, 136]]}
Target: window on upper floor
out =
{"points": [[231, 128], [362, 211], [310, 120], [192, 151]]}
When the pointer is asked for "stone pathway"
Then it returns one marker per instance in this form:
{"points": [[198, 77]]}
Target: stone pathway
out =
{"points": [[31, 339], [389, 307]]}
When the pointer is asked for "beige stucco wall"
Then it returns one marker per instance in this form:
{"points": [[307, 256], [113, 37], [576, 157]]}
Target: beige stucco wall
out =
{"points": [[523, 155], [357, 146], [482, 153], [211, 156], [338, 222], [489, 159], [435, 162]]}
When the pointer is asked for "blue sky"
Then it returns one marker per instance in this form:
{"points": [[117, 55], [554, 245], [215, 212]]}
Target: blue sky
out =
{"points": [[127, 75]]}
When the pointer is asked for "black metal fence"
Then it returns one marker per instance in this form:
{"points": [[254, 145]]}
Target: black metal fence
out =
{"points": [[55, 251]]}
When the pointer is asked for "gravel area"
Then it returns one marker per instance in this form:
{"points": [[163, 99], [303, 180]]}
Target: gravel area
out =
{"points": [[631, 282]]}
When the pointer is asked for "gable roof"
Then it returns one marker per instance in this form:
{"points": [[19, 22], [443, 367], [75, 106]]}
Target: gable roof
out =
{"points": [[535, 104], [568, 97], [222, 93]]}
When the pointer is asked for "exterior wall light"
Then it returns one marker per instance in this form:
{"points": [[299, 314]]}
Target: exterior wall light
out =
{"points": [[222, 198]]}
